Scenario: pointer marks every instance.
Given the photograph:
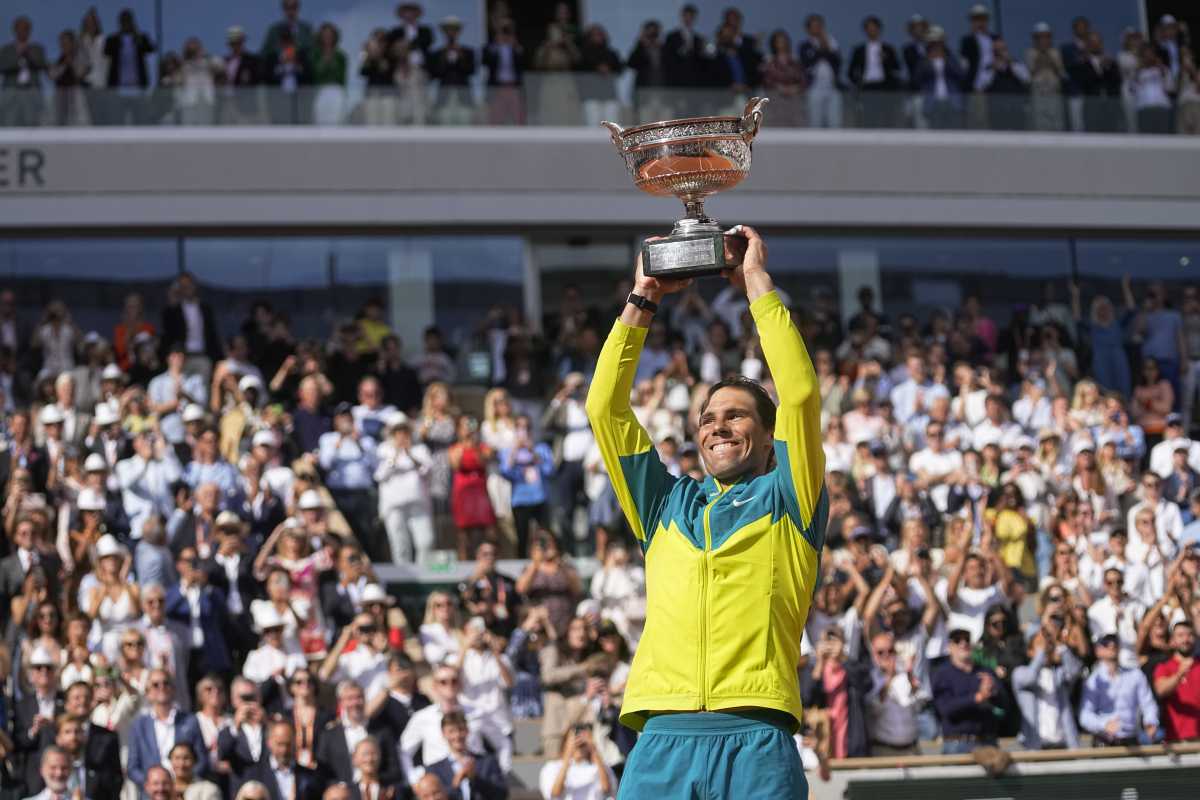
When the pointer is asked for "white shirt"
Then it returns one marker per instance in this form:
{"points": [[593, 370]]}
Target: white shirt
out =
{"points": [[164, 735], [285, 778], [985, 60], [401, 475], [194, 319], [873, 73], [27, 558], [1162, 455], [354, 734], [940, 90], [424, 733], [970, 605], [1105, 617], [192, 595], [266, 662], [484, 690], [1168, 523], [254, 739], [911, 398], [437, 643], [583, 778], [935, 466], [1049, 723], [366, 668], [230, 565], [892, 711]]}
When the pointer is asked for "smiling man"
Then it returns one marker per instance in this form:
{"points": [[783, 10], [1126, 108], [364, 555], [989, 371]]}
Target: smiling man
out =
{"points": [[731, 562]]}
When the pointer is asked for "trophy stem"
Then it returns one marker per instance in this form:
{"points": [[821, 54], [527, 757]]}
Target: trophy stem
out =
{"points": [[695, 210], [696, 222]]}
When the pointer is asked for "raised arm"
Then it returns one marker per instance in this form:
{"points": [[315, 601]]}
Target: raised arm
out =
{"points": [[798, 452], [639, 479]]}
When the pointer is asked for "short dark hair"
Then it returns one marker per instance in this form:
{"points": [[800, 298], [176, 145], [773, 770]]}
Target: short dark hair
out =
{"points": [[454, 718], [764, 406], [878, 24]]}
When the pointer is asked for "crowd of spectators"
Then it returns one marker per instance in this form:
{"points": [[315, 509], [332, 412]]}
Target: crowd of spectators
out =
{"points": [[414, 76], [192, 526]]}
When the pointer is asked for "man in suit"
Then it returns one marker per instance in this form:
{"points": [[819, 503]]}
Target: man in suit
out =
{"points": [[166, 640], [466, 773], [1074, 53], [392, 711], [15, 567], [245, 744], [875, 72], [126, 51], [231, 570], [299, 31], [201, 608], [684, 51], [23, 453], [821, 60], [279, 772], [339, 740], [238, 100], [189, 322], [976, 51], [410, 30], [54, 767], [1097, 78], [95, 762], [369, 783], [341, 598], [940, 80], [37, 709], [22, 63], [159, 728], [100, 745]]}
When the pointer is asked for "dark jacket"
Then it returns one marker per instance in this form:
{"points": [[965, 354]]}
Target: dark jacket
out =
{"points": [[486, 784], [491, 60], [969, 49], [422, 41], [647, 72], [393, 716], [891, 68], [811, 55], [452, 72], [308, 783], [914, 54], [112, 50], [684, 65], [174, 331], [334, 758], [101, 751], [858, 684], [213, 621], [234, 747]]}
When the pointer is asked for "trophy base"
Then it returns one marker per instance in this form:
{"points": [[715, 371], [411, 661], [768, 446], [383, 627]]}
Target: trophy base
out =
{"points": [[692, 255]]}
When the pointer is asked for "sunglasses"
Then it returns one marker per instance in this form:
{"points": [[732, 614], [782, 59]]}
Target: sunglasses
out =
{"points": [[886, 652], [1055, 598], [133, 644], [158, 685], [1113, 581]]}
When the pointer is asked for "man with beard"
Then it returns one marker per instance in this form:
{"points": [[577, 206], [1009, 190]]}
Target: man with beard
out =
{"points": [[1177, 685]]}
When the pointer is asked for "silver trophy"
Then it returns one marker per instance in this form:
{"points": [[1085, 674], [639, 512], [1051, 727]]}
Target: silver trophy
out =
{"points": [[690, 159]]}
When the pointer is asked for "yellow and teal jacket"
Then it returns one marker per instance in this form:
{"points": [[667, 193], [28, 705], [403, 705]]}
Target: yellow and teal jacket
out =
{"points": [[730, 569]]}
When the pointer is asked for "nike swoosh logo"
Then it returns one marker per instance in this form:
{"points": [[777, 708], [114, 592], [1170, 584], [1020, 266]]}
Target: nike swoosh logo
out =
{"points": [[740, 503]]}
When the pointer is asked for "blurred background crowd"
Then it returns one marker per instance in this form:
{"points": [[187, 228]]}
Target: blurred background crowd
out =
{"points": [[412, 72]]}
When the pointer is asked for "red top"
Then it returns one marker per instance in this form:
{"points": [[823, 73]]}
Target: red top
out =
{"points": [[1183, 706]]}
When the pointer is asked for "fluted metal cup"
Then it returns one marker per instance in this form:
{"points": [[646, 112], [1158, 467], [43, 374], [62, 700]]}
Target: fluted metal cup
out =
{"points": [[691, 159]]}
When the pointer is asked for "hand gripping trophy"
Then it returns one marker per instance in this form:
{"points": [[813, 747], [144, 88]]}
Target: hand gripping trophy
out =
{"points": [[690, 159]]}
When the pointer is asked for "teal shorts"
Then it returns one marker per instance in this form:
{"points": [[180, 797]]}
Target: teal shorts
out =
{"points": [[714, 756]]}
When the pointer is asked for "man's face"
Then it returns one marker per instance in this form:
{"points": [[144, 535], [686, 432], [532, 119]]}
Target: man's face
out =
{"points": [[78, 702], [974, 573], [350, 563], [733, 441], [1113, 584], [445, 685], [21, 29], [70, 736], [979, 23], [430, 788], [42, 677], [960, 649], [154, 607], [1183, 640], [369, 394], [279, 742], [207, 497], [456, 737], [56, 770], [366, 757], [352, 703], [158, 784], [158, 688]]}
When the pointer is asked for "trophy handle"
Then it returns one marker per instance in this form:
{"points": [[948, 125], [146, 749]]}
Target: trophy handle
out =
{"points": [[615, 131], [752, 117]]}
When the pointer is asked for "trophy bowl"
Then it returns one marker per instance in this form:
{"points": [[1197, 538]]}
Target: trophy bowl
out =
{"points": [[690, 159]]}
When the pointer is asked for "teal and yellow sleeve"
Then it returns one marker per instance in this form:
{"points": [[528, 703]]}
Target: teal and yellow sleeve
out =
{"points": [[639, 479], [798, 452]]}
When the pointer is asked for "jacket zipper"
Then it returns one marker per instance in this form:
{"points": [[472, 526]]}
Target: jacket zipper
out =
{"points": [[704, 616]]}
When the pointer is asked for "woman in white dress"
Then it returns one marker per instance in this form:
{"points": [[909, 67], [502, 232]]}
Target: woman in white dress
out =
{"points": [[442, 632], [111, 601]]}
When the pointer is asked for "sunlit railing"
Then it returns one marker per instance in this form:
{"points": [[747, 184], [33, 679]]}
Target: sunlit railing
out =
{"points": [[573, 99]]}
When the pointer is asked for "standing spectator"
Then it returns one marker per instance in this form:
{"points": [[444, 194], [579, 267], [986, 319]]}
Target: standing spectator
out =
{"points": [[1073, 54], [188, 321], [1118, 614], [1187, 112], [785, 80], [472, 508], [683, 59], [1177, 684], [648, 60], [402, 476], [1153, 87], [550, 581], [557, 93], [301, 32], [1170, 40], [288, 71], [487, 676], [580, 774], [452, 66], [528, 466], [967, 698], [22, 63], [914, 52], [839, 686], [875, 72], [128, 74], [821, 59], [1006, 83], [1106, 332], [977, 54], [91, 48], [601, 66], [489, 594], [68, 74], [505, 61], [197, 95], [465, 772], [146, 479], [1047, 73], [1098, 79], [348, 459], [620, 588], [379, 70], [1153, 399], [329, 76], [441, 630], [417, 37], [1043, 689], [192, 602], [1117, 708], [241, 73], [892, 702]]}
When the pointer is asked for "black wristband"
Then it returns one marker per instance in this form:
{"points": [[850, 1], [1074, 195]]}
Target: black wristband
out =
{"points": [[642, 303]]}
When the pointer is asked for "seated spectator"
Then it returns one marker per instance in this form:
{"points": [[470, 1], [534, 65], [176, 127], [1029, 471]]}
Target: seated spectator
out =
{"points": [[967, 698], [1043, 689], [269, 661], [394, 709], [467, 773], [580, 774], [1119, 614], [523, 650], [1177, 685], [279, 772], [1118, 708], [337, 753], [183, 764], [429, 787], [213, 721], [192, 602], [489, 594], [551, 581], [620, 588]]}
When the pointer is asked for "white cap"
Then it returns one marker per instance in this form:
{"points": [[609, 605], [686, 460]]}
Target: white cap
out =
{"points": [[105, 415], [979, 10], [193, 412], [95, 463], [91, 500], [112, 373], [141, 337], [108, 546], [51, 415], [227, 519], [396, 420], [476, 624], [587, 607], [250, 382], [311, 499], [374, 593], [41, 657], [92, 337], [1026, 443], [1082, 445], [263, 439], [1041, 27], [267, 616], [984, 438], [1108, 437]]}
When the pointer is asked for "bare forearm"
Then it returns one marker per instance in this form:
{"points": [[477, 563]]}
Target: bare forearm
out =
{"points": [[758, 283]]}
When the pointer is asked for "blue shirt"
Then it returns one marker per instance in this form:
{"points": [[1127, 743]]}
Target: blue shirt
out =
{"points": [[954, 697], [348, 464], [527, 477], [1121, 697], [219, 472]]}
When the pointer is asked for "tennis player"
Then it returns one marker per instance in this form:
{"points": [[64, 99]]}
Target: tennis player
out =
{"points": [[731, 562]]}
